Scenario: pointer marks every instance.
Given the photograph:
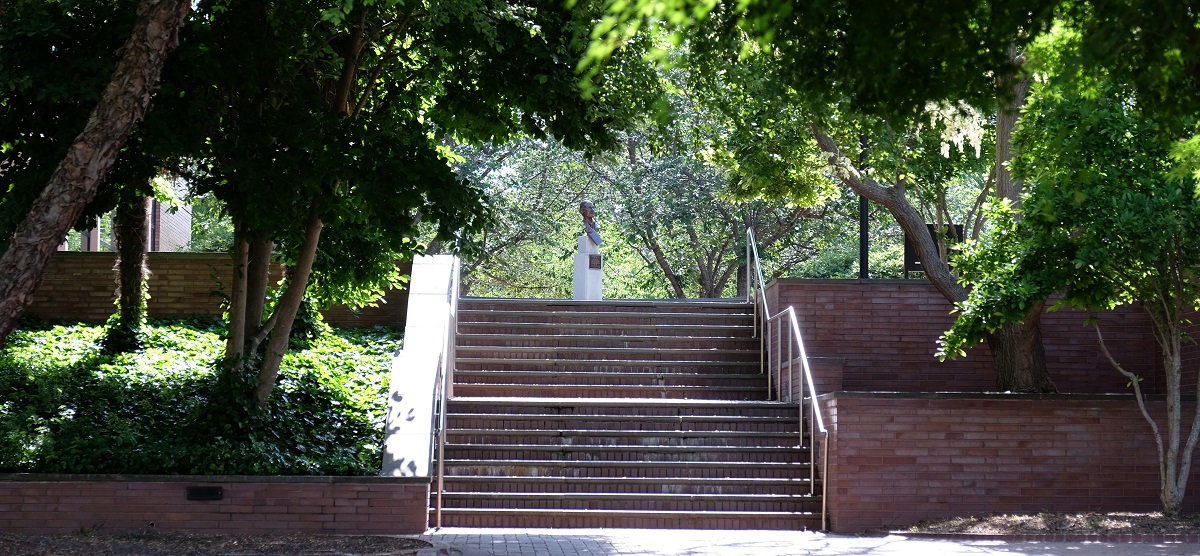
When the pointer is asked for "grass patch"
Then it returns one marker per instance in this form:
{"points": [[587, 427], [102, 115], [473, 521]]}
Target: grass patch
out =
{"points": [[66, 407]]}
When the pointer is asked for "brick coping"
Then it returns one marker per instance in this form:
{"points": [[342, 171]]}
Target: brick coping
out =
{"points": [[185, 255], [281, 479], [870, 281], [995, 396], [1129, 538]]}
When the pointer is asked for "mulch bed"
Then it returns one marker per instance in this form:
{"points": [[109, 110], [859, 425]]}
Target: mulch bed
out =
{"points": [[160, 543]]}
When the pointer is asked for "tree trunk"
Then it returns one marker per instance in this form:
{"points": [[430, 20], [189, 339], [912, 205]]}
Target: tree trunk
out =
{"points": [[1017, 349], [131, 225], [1176, 463], [1019, 356], [742, 286], [285, 310], [664, 264], [258, 279], [1008, 110], [74, 182], [1172, 479], [235, 342]]}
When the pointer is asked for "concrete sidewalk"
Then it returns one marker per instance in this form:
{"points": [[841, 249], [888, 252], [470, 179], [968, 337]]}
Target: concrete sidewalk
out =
{"points": [[658, 542]]}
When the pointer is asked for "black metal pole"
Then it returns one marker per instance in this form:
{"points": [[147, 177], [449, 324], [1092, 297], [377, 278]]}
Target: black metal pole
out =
{"points": [[864, 236], [864, 266]]}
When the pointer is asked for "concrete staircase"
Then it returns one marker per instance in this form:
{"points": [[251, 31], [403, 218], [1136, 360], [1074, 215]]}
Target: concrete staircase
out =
{"points": [[619, 414]]}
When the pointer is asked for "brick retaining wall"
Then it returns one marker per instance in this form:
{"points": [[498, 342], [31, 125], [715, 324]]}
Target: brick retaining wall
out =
{"points": [[886, 331], [330, 505], [899, 458], [82, 286], [1191, 354]]}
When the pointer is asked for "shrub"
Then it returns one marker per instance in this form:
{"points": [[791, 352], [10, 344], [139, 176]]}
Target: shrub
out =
{"points": [[67, 407]]}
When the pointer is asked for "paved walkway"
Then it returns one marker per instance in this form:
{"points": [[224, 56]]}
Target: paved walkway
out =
{"points": [[656, 542]]}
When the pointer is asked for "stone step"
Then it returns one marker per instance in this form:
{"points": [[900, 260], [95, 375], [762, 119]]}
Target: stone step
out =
{"points": [[633, 501], [601, 318], [717, 306], [647, 354], [601, 407], [672, 485], [739, 331], [501, 468], [592, 437], [604, 365], [624, 453], [608, 341], [616, 519], [705, 380], [748, 393], [647, 423]]}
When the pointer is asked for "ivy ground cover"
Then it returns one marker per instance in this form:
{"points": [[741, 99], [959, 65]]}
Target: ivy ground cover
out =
{"points": [[68, 407]]}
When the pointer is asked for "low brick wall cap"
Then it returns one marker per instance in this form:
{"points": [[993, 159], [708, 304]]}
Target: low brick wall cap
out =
{"points": [[305, 479]]}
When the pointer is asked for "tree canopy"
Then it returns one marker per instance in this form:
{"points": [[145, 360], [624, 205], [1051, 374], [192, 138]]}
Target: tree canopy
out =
{"points": [[321, 126]]}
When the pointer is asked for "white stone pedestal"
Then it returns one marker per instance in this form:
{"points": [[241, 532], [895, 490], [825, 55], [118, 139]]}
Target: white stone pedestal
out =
{"points": [[588, 272]]}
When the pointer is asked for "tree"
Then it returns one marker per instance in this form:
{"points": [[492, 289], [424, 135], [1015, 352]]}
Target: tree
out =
{"points": [[670, 209], [854, 78], [534, 188], [333, 114], [1104, 225], [93, 152], [668, 229], [50, 80]]}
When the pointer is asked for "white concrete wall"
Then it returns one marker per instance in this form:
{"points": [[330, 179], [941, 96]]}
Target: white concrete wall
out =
{"points": [[408, 434]]}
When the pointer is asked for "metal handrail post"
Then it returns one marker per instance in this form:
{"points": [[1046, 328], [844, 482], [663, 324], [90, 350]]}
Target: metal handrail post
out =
{"points": [[762, 340], [770, 346], [791, 378], [824, 483]]}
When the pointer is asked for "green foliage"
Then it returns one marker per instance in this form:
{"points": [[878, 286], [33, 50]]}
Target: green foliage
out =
{"points": [[122, 336], [1103, 225], [212, 229], [256, 81], [883, 59], [55, 60], [664, 217], [68, 408], [836, 243], [1151, 45], [308, 328]]}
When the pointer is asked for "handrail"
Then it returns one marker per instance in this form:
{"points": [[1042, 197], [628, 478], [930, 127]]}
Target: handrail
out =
{"points": [[817, 422], [444, 386]]}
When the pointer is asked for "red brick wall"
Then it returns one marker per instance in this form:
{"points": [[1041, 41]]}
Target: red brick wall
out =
{"points": [[886, 332], [1191, 354], [332, 505], [896, 459], [82, 286]]}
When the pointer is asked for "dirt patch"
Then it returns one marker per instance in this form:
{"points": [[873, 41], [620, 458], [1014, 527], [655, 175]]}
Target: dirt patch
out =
{"points": [[1085, 523], [160, 543]]}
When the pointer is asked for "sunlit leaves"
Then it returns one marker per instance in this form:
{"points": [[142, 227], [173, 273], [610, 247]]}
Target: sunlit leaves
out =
{"points": [[1107, 221]]}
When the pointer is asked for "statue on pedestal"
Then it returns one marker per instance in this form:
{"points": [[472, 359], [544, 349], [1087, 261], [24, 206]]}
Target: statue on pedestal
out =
{"points": [[589, 222], [588, 260]]}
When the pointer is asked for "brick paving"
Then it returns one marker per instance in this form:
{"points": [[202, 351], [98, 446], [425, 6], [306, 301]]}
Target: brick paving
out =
{"points": [[646, 542]]}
